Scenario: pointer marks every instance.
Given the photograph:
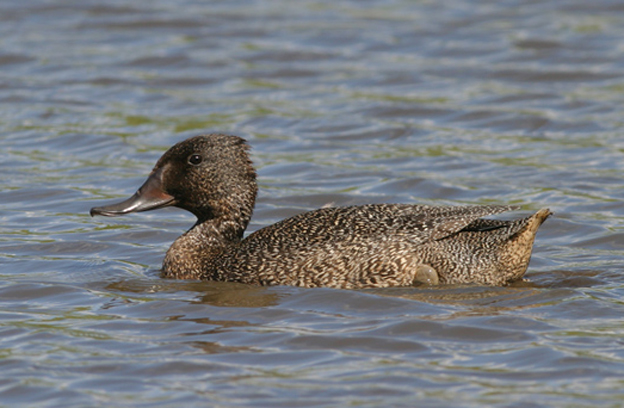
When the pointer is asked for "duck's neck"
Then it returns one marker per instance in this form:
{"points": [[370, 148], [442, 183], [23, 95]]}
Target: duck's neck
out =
{"points": [[195, 253], [221, 221]]}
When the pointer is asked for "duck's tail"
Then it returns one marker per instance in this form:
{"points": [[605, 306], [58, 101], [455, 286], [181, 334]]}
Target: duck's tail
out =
{"points": [[518, 250], [537, 219]]}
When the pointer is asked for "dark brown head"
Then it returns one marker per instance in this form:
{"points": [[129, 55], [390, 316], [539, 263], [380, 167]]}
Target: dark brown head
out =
{"points": [[208, 175]]}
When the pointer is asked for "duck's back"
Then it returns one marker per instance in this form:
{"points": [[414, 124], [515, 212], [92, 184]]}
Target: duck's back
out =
{"points": [[373, 246]]}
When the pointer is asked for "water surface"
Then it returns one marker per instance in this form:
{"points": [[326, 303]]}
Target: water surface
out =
{"points": [[343, 102]]}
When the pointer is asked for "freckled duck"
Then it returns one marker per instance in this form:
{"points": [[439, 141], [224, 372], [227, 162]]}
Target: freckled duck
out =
{"points": [[377, 245]]}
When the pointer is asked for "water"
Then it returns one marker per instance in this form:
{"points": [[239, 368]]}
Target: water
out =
{"points": [[455, 102]]}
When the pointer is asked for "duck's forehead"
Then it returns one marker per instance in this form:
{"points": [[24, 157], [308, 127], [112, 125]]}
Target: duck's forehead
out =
{"points": [[203, 144], [185, 148]]}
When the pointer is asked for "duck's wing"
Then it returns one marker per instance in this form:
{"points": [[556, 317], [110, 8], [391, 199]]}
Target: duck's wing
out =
{"points": [[435, 223], [415, 223]]}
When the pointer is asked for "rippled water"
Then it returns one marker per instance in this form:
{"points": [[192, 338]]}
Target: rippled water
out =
{"points": [[344, 102]]}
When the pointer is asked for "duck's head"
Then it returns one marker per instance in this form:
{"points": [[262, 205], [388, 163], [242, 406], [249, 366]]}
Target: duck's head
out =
{"points": [[208, 175]]}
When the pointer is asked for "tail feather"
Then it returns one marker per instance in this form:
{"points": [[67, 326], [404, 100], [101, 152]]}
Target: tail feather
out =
{"points": [[535, 221], [519, 248]]}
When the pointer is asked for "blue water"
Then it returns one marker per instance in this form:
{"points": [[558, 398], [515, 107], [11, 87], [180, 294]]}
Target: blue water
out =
{"points": [[457, 102]]}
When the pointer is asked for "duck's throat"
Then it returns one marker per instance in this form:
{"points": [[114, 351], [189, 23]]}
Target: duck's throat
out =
{"points": [[196, 254]]}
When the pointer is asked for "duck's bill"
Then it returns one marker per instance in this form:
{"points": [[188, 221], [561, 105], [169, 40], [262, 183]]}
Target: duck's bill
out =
{"points": [[149, 197]]}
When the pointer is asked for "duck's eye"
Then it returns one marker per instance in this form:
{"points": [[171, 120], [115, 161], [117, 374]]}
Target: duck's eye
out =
{"points": [[195, 159]]}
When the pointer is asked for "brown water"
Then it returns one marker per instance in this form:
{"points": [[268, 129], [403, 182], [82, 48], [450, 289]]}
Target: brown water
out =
{"points": [[344, 102]]}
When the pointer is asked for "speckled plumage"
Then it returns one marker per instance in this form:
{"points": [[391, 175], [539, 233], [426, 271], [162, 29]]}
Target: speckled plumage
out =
{"points": [[377, 245]]}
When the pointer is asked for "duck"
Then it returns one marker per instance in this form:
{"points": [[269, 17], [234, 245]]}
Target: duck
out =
{"points": [[349, 247]]}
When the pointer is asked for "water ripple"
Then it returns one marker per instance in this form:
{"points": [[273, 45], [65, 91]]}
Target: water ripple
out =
{"points": [[343, 103]]}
